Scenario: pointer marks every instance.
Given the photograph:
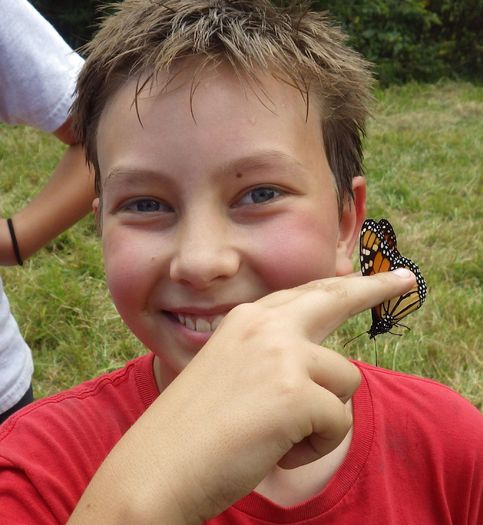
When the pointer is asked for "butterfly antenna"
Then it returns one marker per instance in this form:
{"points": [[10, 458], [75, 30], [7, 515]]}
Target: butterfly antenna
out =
{"points": [[353, 339], [375, 351]]}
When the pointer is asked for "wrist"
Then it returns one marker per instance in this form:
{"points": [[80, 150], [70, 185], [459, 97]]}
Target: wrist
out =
{"points": [[7, 253], [13, 237]]}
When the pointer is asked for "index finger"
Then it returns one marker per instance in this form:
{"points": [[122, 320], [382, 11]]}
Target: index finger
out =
{"points": [[319, 307]]}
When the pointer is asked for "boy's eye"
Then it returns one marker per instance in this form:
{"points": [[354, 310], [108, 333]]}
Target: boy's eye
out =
{"points": [[260, 195], [146, 206]]}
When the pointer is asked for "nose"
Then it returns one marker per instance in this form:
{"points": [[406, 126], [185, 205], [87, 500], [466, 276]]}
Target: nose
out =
{"points": [[203, 253]]}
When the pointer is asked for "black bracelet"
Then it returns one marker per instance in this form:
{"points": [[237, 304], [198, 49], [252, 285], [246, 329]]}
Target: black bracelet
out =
{"points": [[14, 241]]}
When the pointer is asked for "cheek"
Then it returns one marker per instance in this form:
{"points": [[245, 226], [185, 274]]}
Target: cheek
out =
{"points": [[296, 251], [126, 274]]}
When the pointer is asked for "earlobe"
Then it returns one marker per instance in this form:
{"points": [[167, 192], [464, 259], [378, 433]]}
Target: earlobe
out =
{"points": [[97, 208], [95, 205], [353, 215]]}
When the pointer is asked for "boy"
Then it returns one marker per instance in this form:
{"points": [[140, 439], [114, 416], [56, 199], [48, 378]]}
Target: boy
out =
{"points": [[225, 136]]}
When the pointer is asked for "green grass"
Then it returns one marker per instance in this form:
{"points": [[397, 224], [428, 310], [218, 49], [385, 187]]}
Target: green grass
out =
{"points": [[423, 163]]}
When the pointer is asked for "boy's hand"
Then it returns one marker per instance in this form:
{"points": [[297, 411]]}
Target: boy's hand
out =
{"points": [[261, 392]]}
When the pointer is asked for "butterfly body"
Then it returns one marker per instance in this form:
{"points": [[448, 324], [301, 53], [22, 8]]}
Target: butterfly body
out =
{"points": [[379, 253]]}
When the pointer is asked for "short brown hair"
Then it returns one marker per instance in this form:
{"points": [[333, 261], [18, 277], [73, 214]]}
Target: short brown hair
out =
{"points": [[301, 47]]}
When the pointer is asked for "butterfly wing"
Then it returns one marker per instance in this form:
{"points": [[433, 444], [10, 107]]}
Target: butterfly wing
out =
{"points": [[387, 233], [376, 254], [379, 253], [412, 300]]}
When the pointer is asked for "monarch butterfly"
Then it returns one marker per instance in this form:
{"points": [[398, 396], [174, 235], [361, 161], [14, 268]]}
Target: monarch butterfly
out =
{"points": [[379, 253]]}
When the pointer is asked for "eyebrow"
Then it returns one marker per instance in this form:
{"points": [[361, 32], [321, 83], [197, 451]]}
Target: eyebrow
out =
{"points": [[263, 160], [132, 175], [258, 161]]}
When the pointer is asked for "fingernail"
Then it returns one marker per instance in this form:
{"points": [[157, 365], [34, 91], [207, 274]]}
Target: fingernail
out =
{"points": [[402, 272]]}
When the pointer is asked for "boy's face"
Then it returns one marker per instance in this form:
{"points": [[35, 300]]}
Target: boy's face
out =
{"points": [[208, 209]]}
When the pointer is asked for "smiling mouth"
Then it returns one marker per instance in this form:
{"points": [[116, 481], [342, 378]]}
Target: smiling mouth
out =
{"points": [[197, 323]]}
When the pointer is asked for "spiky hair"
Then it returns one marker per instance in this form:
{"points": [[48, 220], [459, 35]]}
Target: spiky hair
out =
{"points": [[301, 47]]}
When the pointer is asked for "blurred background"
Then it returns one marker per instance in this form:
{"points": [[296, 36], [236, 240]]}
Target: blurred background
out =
{"points": [[421, 40]]}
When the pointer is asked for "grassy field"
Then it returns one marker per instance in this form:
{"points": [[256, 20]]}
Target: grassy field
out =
{"points": [[423, 160]]}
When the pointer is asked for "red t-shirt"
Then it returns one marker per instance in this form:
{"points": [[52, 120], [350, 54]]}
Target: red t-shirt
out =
{"points": [[415, 456]]}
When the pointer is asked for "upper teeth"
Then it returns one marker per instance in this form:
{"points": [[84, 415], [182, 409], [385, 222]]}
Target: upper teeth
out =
{"points": [[200, 324]]}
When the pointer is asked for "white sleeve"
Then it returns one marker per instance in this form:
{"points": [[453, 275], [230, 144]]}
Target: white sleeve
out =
{"points": [[38, 70]]}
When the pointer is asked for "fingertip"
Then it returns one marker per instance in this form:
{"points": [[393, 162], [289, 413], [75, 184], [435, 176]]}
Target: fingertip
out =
{"points": [[403, 273]]}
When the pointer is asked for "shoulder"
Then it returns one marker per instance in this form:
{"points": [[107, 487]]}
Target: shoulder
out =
{"points": [[108, 397], [423, 405], [50, 450], [413, 389], [428, 440]]}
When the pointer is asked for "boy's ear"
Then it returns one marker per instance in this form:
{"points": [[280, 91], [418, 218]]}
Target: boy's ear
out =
{"points": [[353, 215]]}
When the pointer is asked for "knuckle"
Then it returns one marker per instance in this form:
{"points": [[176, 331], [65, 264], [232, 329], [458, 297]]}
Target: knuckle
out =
{"points": [[335, 287], [288, 388], [349, 418], [244, 310], [337, 290], [247, 316], [289, 394], [354, 376], [343, 418], [351, 383], [257, 317]]}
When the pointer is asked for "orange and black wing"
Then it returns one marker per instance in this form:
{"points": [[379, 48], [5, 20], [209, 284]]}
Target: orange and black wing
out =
{"points": [[378, 253]]}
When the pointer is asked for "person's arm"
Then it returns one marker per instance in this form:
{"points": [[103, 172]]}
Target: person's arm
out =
{"points": [[65, 199], [261, 392]]}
